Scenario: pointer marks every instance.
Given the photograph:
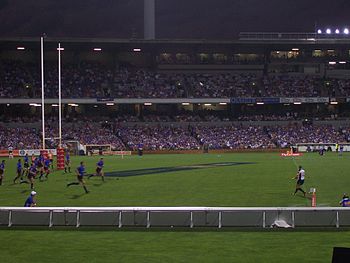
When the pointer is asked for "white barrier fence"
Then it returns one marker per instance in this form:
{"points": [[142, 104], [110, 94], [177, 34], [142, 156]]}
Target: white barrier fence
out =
{"points": [[259, 217]]}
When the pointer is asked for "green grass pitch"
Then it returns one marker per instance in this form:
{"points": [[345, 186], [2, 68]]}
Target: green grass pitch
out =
{"points": [[242, 179]]}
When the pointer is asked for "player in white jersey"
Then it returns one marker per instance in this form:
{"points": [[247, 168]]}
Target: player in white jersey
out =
{"points": [[300, 177]]}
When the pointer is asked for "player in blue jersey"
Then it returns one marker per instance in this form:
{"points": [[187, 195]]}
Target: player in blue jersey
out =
{"points": [[67, 163], [30, 202], [19, 173], [2, 171], [40, 165], [47, 163], [99, 169], [80, 171], [31, 176], [25, 165], [345, 202]]}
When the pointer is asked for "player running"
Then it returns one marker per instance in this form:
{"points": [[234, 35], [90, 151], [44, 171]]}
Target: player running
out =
{"points": [[67, 163], [25, 166], [19, 171], [50, 157], [2, 171], [47, 171], [80, 171], [40, 165], [99, 171], [33, 158], [31, 176], [300, 180], [31, 202]]}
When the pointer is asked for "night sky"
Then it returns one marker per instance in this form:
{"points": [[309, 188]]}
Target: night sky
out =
{"points": [[207, 19]]}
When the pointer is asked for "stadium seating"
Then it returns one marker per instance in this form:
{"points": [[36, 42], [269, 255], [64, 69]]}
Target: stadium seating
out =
{"points": [[93, 80]]}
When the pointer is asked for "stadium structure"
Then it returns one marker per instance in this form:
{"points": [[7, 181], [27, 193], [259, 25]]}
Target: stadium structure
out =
{"points": [[272, 95]]}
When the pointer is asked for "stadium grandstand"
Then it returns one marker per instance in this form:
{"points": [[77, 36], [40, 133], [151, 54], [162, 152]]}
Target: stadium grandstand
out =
{"points": [[245, 94]]}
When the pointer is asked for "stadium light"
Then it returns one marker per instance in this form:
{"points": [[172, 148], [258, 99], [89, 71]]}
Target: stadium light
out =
{"points": [[35, 104], [54, 105], [328, 31], [207, 104], [295, 49], [97, 49], [223, 103], [297, 103], [185, 103], [110, 104], [73, 105], [332, 62], [337, 31], [346, 31], [20, 48], [319, 31], [60, 49], [334, 102], [147, 104], [137, 50], [260, 103], [342, 62]]}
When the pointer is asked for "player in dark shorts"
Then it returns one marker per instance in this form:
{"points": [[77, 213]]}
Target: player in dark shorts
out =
{"points": [[19, 172], [33, 158], [31, 176], [300, 180], [2, 171], [40, 165], [46, 169], [99, 169], [25, 166], [80, 171], [67, 163], [50, 157]]}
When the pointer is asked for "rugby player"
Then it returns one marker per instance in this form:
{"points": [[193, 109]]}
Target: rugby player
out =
{"points": [[18, 171], [99, 171], [67, 163], [80, 171], [2, 171], [300, 180]]}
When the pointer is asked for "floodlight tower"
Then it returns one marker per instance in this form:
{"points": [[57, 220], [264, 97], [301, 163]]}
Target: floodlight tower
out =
{"points": [[149, 19]]}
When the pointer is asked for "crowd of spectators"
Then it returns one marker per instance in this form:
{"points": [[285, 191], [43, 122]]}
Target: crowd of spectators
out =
{"points": [[169, 137], [92, 80], [234, 137], [159, 138]]}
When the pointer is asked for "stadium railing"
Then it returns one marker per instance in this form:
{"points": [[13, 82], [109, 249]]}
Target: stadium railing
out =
{"points": [[256, 217]]}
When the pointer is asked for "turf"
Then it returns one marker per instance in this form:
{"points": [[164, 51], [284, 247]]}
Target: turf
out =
{"points": [[244, 179], [187, 180], [169, 246]]}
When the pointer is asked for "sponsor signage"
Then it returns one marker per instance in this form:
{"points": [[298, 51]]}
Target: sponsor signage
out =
{"points": [[243, 100], [36, 152], [305, 100], [105, 99]]}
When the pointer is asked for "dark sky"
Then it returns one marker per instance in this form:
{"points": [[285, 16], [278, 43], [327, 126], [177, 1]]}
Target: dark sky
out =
{"points": [[209, 19]]}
